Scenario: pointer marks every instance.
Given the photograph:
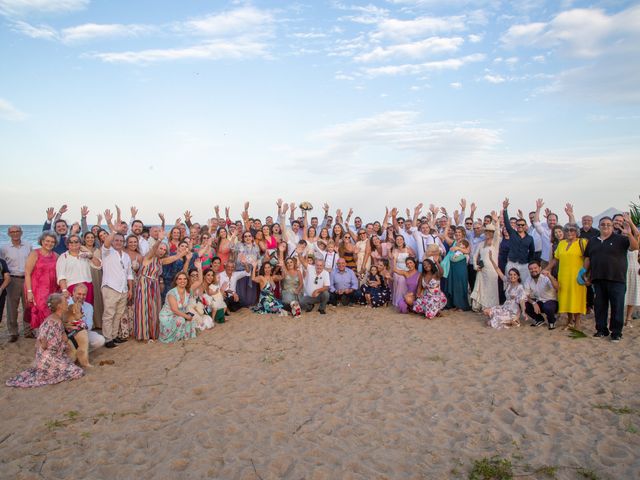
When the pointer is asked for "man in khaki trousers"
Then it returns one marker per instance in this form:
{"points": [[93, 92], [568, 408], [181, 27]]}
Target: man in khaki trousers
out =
{"points": [[117, 284]]}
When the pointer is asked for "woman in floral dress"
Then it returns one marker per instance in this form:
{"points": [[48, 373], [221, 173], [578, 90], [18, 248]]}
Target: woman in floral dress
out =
{"points": [[430, 298], [175, 322], [267, 303], [52, 364], [508, 314]]}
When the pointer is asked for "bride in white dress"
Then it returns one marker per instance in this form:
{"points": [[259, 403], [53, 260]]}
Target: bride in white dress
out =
{"points": [[485, 291]]}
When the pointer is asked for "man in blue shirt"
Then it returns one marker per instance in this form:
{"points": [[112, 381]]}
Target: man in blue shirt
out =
{"points": [[344, 284], [521, 246]]}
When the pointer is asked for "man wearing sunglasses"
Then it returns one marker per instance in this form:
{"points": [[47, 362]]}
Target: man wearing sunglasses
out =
{"points": [[316, 288], [521, 246]]}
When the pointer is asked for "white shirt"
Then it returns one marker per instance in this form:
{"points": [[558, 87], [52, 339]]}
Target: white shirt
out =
{"points": [[116, 269], [545, 236], [409, 240], [541, 289], [73, 269], [143, 245], [423, 241], [16, 257], [231, 281], [330, 260], [314, 281], [537, 239]]}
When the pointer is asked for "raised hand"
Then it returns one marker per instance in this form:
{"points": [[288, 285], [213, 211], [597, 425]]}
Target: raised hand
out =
{"points": [[418, 208], [444, 211], [539, 204], [547, 212], [568, 209], [99, 219], [279, 203], [285, 208], [51, 213], [178, 221], [350, 212], [325, 207], [394, 212], [108, 216], [62, 210], [292, 207], [198, 263], [134, 212], [161, 217], [246, 206], [473, 208], [505, 204], [84, 211], [520, 214], [408, 212], [463, 203], [226, 212], [494, 215], [118, 211]]}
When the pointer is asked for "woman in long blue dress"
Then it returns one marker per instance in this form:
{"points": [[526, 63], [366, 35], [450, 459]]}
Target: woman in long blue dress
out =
{"points": [[175, 322], [457, 286]]}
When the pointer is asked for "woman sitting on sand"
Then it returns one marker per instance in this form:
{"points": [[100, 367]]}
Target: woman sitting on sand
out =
{"points": [[52, 364], [508, 315], [430, 299], [267, 303], [411, 276], [175, 322]]}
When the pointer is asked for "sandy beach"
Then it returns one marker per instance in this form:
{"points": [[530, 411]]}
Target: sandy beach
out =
{"points": [[354, 394]]}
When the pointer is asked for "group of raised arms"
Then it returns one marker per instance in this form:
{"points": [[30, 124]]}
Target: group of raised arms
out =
{"points": [[89, 286]]}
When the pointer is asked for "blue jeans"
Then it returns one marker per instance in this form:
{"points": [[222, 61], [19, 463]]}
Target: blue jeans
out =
{"points": [[609, 294]]}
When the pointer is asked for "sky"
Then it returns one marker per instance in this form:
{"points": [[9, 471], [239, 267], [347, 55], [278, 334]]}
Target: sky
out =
{"points": [[172, 105]]}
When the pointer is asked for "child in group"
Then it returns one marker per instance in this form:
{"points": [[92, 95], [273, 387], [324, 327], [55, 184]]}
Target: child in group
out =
{"points": [[372, 285]]}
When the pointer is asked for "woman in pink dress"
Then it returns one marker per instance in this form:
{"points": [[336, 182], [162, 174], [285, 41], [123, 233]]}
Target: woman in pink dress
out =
{"points": [[40, 278], [52, 364]]}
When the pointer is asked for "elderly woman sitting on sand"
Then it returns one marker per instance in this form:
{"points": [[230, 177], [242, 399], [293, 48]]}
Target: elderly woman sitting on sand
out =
{"points": [[52, 364]]}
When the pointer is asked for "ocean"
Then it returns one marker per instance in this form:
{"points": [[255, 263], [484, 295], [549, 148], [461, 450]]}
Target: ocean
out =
{"points": [[30, 234]]}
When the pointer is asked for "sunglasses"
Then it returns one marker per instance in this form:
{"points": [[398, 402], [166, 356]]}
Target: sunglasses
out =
{"points": [[316, 280], [74, 241], [521, 224]]}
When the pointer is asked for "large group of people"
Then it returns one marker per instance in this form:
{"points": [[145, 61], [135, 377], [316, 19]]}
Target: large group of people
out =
{"points": [[154, 283]]}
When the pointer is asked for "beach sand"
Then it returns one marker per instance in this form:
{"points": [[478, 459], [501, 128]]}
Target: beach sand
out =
{"points": [[354, 394]]}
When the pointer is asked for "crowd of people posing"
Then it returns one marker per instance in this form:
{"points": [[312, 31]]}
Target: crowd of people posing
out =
{"points": [[132, 281]]}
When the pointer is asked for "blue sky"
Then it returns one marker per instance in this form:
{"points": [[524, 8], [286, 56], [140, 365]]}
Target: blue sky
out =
{"points": [[173, 105]]}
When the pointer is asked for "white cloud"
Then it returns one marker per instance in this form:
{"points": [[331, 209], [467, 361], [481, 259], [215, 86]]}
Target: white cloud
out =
{"points": [[416, 50], [90, 31], [12, 8], [393, 28], [9, 112], [212, 50], [494, 78], [475, 38], [42, 32], [413, 68], [249, 20], [455, 85], [368, 143], [237, 34], [580, 32], [309, 35]]}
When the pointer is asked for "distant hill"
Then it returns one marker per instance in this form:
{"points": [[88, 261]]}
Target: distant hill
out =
{"points": [[609, 212]]}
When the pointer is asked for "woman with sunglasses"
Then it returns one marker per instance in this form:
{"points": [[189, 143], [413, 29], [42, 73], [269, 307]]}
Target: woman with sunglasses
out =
{"points": [[569, 256], [73, 267]]}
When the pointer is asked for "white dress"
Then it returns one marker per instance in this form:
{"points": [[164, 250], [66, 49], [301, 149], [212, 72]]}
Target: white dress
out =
{"points": [[485, 290], [632, 296]]}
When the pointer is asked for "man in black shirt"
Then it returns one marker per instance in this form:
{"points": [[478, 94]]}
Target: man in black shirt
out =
{"points": [[606, 260], [521, 247]]}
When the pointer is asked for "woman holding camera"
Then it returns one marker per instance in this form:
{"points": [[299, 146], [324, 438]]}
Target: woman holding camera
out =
{"points": [[175, 322]]}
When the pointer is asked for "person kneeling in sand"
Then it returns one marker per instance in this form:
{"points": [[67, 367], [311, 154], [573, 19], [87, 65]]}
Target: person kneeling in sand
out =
{"points": [[508, 314]]}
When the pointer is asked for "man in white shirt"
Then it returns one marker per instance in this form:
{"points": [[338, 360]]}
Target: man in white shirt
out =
{"points": [[423, 238], [228, 279], [79, 295], [117, 286], [544, 230], [15, 254], [537, 239], [316, 288], [542, 295]]}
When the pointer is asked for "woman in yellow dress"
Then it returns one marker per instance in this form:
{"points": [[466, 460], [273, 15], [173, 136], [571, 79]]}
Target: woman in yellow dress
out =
{"points": [[569, 256]]}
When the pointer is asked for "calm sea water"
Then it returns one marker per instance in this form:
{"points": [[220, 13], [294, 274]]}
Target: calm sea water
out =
{"points": [[30, 233]]}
